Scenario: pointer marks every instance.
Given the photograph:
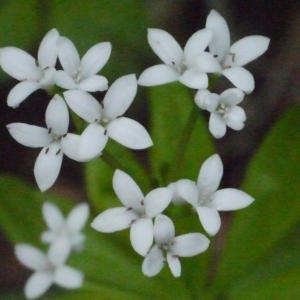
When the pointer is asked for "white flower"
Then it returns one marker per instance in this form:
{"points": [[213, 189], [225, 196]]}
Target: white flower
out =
{"points": [[48, 269], [186, 245], [205, 198], [233, 58], [61, 228], [137, 212], [125, 131], [33, 74], [54, 140], [224, 110], [189, 66], [82, 74]]}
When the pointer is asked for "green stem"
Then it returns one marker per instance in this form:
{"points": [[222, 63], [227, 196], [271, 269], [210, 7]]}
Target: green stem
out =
{"points": [[183, 141], [112, 161]]}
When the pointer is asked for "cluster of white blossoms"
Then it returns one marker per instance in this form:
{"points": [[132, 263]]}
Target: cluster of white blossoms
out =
{"points": [[191, 65], [63, 237], [152, 234]]}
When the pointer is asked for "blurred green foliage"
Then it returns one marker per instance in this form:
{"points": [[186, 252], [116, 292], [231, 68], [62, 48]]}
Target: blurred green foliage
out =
{"points": [[260, 259]]}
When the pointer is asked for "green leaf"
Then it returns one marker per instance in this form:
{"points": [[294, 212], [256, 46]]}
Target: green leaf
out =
{"points": [[272, 179], [179, 149]]}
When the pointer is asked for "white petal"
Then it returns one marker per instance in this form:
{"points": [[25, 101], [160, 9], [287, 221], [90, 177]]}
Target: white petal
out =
{"points": [[153, 262], [196, 44], [20, 92], [157, 75], [29, 135], [94, 59], [129, 133], [163, 230], [190, 244], [141, 235], [165, 47], [210, 219], [207, 63], [59, 251], [184, 190], [68, 277], [48, 237], [70, 145], [220, 42], [78, 216], [94, 83], [47, 53], [156, 201], [47, 165], [128, 191], [57, 116], [230, 199], [200, 98], [174, 264], [232, 97], [241, 78], [19, 64], [119, 96], [31, 257], [211, 102], [64, 80], [48, 79], [216, 125], [210, 175], [194, 78], [84, 105], [68, 56], [92, 142], [37, 284], [246, 50], [235, 118], [53, 216], [114, 219]]}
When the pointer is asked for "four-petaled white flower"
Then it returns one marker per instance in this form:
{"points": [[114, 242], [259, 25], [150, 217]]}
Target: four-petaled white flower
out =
{"points": [[224, 110], [137, 213], [189, 66], [233, 58], [48, 269], [205, 198], [33, 74], [186, 245], [54, 140], [109, 113], [82, 74], [69, 228]]}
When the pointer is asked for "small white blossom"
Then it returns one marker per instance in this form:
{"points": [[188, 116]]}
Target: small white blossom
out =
{"points": [[33, 74], [81, 74], [137, 213], [186, 245], [205, 198], [233, 58], [189, 66], [224, 110], [106, 119], [54, 139], [69, 228], [48, 269]]}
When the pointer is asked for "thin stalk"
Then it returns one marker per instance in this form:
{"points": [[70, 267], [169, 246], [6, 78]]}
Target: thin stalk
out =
{"points": [[183, 141]]}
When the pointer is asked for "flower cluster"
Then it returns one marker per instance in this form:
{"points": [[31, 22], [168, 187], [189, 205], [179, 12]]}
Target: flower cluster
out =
{"points": [[64, 236], [77, 79], [191, 65], [152, 234]]}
